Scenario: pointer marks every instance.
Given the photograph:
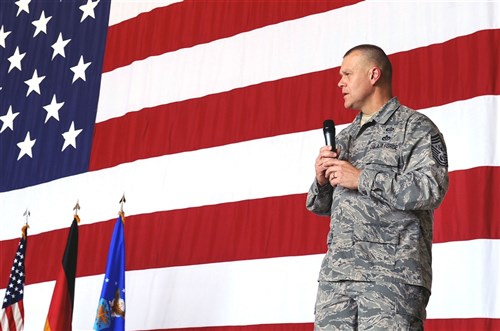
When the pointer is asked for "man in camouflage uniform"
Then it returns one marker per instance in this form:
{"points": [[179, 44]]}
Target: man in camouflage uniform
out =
{"points": [[380, 188]]}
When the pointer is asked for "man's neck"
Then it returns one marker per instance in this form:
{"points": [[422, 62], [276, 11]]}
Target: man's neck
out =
{"points": [[377, 102], [365, 118]]}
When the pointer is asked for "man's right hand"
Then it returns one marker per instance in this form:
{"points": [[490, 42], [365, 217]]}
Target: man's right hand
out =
{"points": [[323, 161]]}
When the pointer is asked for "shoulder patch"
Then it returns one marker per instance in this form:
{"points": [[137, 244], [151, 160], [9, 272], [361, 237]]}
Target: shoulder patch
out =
{"points": [[439, 151]]}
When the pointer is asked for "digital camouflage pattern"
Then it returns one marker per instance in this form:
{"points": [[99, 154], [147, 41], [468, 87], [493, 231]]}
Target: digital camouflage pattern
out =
{"points": [[370, 306], [383, 231]]}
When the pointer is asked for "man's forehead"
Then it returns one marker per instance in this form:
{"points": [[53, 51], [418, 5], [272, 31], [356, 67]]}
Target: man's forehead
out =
{"points": [[348, 64], [352, 61]]}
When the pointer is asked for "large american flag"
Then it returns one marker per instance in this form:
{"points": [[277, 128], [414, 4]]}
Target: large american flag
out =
{"points": [[208, 117]]}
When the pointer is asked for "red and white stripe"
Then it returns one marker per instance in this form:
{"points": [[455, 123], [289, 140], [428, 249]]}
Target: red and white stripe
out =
{"points": [[12, 317], [211, 128]]}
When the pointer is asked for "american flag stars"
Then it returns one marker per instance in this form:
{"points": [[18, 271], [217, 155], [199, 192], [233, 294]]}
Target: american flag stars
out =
{"points": [[59, 45], [34, 83], [15, 289], [3, 35], [26, 146], [88, 9], [53, 109], [15, 60], [41, 24], [48, 53], [23, 6], [79, 70], [8, 120], [70, 136]]}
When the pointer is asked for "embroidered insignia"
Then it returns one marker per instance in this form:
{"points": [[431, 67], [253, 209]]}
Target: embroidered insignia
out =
{"points": [[108, 310], [118, 305], [438, 151], [103, 315]]}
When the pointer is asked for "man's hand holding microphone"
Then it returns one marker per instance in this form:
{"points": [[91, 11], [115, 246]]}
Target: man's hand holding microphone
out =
{"points": [[329, 169]]}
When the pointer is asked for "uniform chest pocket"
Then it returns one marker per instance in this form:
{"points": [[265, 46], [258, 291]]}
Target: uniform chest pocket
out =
{"points": [[385, 159]]}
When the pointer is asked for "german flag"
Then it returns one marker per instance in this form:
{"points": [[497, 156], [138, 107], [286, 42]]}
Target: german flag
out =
{"points": [[60, 314]]}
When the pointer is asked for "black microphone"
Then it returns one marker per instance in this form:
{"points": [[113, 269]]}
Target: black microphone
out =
{"points": [[329, 132]]}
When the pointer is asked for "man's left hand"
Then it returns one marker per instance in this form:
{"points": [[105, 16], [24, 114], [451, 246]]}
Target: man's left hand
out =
{"points": [[343, 173]]}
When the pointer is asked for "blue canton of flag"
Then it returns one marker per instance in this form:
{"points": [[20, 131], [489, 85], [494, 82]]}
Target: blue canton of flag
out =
{"points": [[51, 55], [111, 308]]}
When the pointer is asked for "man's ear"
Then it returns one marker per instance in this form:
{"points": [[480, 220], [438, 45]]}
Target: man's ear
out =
{"points": [[375, 74]]}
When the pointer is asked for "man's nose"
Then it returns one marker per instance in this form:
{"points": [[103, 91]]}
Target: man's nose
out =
{"points": [[341, 83]]}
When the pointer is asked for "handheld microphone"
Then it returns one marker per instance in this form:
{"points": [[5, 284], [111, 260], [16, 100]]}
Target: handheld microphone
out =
{"points": [[329, 132]]}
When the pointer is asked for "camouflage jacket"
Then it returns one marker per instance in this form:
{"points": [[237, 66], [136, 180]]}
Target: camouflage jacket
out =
{"points": [[383, 230]]}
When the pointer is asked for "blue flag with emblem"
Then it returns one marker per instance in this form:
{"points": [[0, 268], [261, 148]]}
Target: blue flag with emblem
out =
{"points": [[111, 308]]}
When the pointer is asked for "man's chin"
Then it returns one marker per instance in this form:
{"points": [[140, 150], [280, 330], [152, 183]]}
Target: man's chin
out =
{"points": [[349, 106]]}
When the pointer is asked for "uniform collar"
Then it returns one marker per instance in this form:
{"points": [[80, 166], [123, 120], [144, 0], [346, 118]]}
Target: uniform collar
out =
{"points": [[383, 114]]}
